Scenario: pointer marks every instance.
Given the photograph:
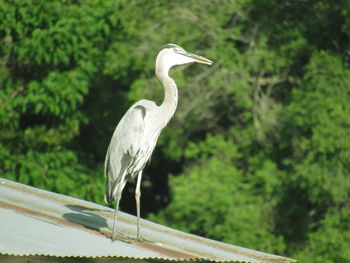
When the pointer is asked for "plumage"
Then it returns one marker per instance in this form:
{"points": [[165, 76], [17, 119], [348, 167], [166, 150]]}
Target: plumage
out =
{"points": [[136, 135]]}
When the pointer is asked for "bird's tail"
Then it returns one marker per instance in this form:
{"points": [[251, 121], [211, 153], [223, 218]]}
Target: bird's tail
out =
{"points": [[113, 184], [112, 188], [115, 173], [108, 198], [108, 185]]}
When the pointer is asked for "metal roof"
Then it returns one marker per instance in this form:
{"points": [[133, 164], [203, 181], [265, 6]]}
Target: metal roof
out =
{"points": [[38, 222]]}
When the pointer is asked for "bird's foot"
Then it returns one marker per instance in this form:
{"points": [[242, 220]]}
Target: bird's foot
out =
{"points": [[120, 237], [141, 239]]}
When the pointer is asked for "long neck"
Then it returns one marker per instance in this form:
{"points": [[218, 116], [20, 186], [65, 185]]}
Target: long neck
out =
{"points": [[169, 104]]}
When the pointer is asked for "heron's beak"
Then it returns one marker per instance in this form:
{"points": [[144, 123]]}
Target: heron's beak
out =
{"points": [[196, 58]]}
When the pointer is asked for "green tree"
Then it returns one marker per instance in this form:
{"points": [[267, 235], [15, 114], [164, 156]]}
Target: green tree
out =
{"points": [[257, 152], [319, 144], [51, 53]]}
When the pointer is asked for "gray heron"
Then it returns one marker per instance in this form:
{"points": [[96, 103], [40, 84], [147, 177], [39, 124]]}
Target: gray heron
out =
{"points": [[135, 137]]}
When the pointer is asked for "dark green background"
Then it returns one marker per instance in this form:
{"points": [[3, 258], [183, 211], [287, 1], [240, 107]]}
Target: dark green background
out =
{"points": [[258, 151]]}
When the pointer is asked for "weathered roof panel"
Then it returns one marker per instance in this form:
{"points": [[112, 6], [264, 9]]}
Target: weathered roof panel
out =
{"points": [[35, 221]]}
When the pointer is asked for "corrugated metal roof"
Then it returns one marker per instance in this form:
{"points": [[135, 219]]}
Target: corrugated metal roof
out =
{"points": [[39, 222]]}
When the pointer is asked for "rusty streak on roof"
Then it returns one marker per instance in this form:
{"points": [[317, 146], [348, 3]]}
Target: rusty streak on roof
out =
{"points": [[35, 222]]}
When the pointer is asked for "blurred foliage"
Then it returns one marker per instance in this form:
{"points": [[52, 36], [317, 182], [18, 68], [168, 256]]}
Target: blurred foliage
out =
{"points": [[51, 53], [258, 151]]}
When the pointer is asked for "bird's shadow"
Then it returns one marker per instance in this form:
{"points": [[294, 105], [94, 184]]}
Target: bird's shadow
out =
{"points": [[86, 217], [89, 218]]}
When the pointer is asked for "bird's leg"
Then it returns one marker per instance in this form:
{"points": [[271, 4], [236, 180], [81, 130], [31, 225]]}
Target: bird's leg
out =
{"points": [[137, 197], [115, 216], [119, 191]]}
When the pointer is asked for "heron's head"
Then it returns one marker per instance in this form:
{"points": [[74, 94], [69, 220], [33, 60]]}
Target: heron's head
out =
{"points": [[172, 55]]}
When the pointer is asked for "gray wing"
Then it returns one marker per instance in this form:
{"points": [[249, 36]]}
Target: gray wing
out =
{"points": [[130, 130], [124, 146]]}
